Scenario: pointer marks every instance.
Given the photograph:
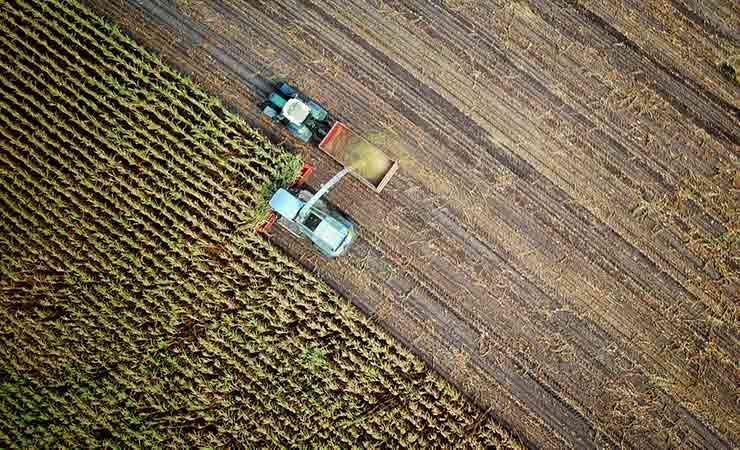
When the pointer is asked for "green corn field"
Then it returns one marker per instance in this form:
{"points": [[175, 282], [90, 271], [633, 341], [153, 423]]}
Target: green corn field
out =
{"points": [[138, 306]]}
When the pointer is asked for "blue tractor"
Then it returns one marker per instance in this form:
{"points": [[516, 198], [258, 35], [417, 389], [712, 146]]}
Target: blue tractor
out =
{"points": [[303, 117]]}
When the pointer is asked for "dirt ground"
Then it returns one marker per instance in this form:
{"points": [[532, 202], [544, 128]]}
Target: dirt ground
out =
{"points": [[561, 239]]}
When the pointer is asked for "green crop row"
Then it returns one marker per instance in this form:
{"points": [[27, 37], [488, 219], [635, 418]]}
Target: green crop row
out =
{"points": [[138, 307]]}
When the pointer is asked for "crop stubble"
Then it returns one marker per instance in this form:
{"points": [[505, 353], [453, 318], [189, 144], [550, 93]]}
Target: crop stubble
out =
{"points": [[561, 239]]}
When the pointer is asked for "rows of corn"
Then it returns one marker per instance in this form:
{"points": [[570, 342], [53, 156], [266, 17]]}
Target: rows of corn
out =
{"points": [[137, 306]]}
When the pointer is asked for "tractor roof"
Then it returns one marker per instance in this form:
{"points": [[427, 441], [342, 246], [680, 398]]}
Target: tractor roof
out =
{"points": [[286, 204], [295, 111]]}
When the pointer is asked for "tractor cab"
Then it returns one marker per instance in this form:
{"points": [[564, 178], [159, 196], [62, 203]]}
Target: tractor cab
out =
{"points": [[303, 117]]}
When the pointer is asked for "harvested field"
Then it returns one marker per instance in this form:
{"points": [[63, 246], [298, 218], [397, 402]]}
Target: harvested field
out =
{"points": [[138, 307], [561, 240]]}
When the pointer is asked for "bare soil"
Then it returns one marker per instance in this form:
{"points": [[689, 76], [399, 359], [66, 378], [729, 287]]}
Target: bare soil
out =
{"points": [[561, 240]]}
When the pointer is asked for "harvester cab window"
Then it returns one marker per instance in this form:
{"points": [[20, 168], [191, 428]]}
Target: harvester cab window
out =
{"points": [[312, 221]]}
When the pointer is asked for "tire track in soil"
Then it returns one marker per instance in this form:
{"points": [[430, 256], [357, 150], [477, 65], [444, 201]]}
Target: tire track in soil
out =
{"points": [[580, 119], [707, 219], [734, 340], [681, 92], [694, 13], [443, 141], [645, 259]]}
